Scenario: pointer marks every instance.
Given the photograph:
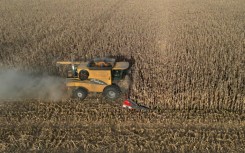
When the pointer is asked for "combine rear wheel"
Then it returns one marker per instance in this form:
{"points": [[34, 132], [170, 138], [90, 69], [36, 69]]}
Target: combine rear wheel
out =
{"points": [[80, 93], [112, 92]]}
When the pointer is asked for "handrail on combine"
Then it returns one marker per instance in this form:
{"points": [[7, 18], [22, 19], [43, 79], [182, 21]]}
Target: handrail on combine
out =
{"points": [[67, 62]]}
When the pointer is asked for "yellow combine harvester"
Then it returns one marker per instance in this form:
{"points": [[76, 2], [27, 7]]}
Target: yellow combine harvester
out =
{"points": [[101, 75]]}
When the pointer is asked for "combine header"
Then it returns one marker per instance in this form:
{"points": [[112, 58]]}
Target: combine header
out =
{"points": [[130, 104]]}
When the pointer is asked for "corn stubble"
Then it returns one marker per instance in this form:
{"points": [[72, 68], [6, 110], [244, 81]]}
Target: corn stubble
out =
{"points": [[188, 67]]}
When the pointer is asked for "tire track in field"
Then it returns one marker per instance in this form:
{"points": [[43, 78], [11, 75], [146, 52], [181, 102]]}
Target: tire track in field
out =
{"points": [[100, 21]]}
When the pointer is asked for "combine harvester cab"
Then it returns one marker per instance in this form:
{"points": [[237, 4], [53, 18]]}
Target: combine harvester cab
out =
{"points": [[100, 75]]}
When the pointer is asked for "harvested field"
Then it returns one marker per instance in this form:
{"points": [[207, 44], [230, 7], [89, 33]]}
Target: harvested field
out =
{"points": [[188, 67]]}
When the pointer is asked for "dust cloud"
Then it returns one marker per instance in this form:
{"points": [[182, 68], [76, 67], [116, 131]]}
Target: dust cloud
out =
{"points": [[15, 85], [125, 84]]}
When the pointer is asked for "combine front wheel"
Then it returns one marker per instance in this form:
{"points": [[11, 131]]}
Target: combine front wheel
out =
{"points": [[112, 92]]}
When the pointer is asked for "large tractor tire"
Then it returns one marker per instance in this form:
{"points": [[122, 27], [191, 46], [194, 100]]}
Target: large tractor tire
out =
{"points": [[112, 92], [80, 93]]}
